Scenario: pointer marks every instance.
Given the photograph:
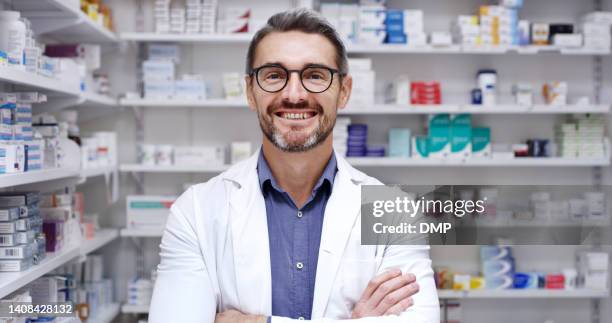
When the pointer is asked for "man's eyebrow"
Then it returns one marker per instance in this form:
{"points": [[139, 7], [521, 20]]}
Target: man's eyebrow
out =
{"points": [[309, 64]]}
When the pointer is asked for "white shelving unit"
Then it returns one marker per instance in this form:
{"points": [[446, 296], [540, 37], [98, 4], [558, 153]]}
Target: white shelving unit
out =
{"points": [[141, 233], [523, 294], [369, 49], [385, 109], [137, 168], [59, 20], [94, 172], [483, 162], [10, 282], [37, 176], [17, 76], [134, 309], [106, 314]]}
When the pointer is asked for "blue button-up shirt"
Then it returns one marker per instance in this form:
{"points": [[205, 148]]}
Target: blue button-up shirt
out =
{"points": [[294, 237]]}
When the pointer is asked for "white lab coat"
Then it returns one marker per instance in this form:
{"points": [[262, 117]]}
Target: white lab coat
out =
{"points": [[215, 254]]}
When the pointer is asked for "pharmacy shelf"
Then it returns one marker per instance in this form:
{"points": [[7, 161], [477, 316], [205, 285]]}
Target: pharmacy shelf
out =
{"points": [[386, 109], [137, 168], [10, 282], [209, 103], [101, 238], [14, 75], [478, 162], [99, 171], [389, 109], [37, 176], [523, 293], [368, 48], [61, 21], [186, 38], [134, 309], [141, 233], [106, 314], [90, 98]]}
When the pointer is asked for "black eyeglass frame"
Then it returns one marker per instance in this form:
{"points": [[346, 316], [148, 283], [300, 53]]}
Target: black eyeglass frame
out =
{"points": [[333, 71]]}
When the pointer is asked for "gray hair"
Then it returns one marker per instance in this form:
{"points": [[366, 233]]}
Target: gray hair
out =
{"points": [[303, 20]]}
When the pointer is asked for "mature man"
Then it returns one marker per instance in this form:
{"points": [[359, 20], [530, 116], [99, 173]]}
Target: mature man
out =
{"points": [[277, 237]]}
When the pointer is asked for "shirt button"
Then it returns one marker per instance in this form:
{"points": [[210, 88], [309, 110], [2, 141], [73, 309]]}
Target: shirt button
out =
{"points": [[300, 214], [301, 318], [299, 265]]}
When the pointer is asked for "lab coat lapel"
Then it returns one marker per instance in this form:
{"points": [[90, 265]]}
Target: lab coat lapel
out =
{"points": [[250, 241], [341, 212]]}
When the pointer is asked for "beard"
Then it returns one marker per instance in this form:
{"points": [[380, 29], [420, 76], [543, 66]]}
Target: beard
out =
{"points": [[293, 140]]}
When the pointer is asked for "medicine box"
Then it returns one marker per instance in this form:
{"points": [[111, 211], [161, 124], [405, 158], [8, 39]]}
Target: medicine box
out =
{"points": [[9, 214], [16, 252], [148, 211], [461, 136], [15, 265], [420, 147], [399, 142], [481, 142], [439, 136]]}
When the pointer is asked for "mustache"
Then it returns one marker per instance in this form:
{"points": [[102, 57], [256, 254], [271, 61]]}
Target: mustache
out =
{"points": [[272, 108]]}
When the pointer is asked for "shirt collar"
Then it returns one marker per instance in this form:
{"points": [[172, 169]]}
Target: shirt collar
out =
{"points": [[265, 173]]}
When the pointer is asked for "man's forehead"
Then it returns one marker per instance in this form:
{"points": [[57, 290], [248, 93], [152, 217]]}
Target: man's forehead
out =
{"points": [[294, 49]]}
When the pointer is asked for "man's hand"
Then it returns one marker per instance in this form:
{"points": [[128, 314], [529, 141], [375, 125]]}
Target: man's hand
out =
{"points": [[386, 294], [233, 316]]}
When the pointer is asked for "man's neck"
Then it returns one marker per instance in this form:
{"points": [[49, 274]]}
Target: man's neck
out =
{"points": [[297, 173]]}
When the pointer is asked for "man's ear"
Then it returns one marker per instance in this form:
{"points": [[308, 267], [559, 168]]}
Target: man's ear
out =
{"points": [[346, 87], [248, 80]]}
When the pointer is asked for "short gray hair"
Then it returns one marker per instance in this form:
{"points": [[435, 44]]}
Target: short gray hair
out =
{"points": [[303, 20]]}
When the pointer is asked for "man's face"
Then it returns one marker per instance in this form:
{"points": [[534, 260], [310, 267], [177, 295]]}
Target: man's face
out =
{"points": [[294, 119]]}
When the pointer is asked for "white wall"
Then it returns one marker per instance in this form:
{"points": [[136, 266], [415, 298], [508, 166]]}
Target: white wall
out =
{"points": [[182, 126]]}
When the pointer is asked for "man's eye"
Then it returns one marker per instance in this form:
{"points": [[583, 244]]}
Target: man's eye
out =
{"points": [[273, 76]]}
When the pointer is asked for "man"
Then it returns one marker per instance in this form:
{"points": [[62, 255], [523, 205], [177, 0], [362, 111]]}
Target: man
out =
{"points": [[277, 237]]}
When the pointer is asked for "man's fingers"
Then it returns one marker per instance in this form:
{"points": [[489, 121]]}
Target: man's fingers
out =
{"points": [[398, 308], [377, 281], [387, 288], [396, 297]]}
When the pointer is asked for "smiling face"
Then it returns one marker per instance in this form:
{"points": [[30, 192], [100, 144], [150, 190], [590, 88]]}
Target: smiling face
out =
{"points": [[293, 119]]}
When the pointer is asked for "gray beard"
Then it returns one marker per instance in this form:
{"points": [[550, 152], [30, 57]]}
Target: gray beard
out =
{"points": [[276, 138]]}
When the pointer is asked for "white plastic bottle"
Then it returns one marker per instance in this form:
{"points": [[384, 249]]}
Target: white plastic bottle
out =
{"points": [[12, 36]]}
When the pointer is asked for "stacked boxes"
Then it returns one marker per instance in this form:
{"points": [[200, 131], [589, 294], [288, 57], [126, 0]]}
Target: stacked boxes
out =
{"points": [[481, 142], [594, 269], [372, 28], [340, 134], [362, 95], [439, 136], [209, 16], [21, 244], [61, 223], [466, 30], [345, 17], [497, 266], [498, 25], [233, 85], [461, 136], [177, 20], [162, 16], [193, 13], [357, 140], [581, 137], [405, 27], [425, 93], [595, 28], [158, 79]]}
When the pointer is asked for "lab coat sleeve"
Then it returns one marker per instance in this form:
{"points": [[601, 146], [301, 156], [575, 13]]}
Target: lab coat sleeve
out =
{"points": [[183, 290], [411, 259]]}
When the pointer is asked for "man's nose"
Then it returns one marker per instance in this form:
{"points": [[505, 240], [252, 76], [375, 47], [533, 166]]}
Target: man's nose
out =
{"points": [[294, 91]]}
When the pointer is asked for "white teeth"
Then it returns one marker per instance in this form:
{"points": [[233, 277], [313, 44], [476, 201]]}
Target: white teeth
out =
{"points": [[294, 116]]}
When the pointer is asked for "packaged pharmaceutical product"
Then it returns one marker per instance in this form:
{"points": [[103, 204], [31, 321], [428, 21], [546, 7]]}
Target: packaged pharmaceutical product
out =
{"points": [[399, 142], [372, 35], [481, 142], [439, 136], [601, 17], [17, 252], [12, 36], [18, 198], [8, 240], [441, 39], [500, 282], [461, 136], [372, 16], [476, 96], [164, 52], [595, 205], [523, 94], [420, 147], [3, 59], [520, 150], [539, 34], [8, 227], [567, 40], [240, 150], [555, 281], [9, 214], [461, 282], [54, 233], [401, 90], [477, 283], [555, 93], [203, 155], [487, 82], [232, 85], [525, 281], [495, 252], [15, 265], [570, 276]]}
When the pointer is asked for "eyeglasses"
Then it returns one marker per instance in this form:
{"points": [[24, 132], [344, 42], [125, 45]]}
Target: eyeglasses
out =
{"points": [[274, 77]]}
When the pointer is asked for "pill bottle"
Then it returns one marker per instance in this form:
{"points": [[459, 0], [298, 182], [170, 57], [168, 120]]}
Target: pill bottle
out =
{"points": [[12, 36]]}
